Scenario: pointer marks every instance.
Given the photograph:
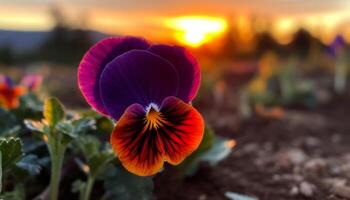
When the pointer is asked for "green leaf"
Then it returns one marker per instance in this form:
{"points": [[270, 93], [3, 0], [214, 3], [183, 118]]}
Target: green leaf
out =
{"points": [[72, 129], [83, 125], [104, 125], [122, 185], [89, 145], [236, 196], [98, 162], [30, 107], [8, 123], [221, 148], [30, 163], [66, 128], [78, 186], [53, 111], [34, 126], [212, 149], [11, 150], [97, 159], [190, 164], [17, 194]]}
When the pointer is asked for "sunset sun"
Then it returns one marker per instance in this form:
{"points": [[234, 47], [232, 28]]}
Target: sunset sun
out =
{"points": [[196, 30]]}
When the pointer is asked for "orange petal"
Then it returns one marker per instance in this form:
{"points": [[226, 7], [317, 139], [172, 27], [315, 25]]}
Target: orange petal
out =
{"points": [[143, 140], [9, 96], [139, 150], [183, 132]]}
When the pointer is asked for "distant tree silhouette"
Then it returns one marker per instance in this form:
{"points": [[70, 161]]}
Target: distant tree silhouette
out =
{"points": [[64, 44], [265, 42], [301, 43], [6, 55]]}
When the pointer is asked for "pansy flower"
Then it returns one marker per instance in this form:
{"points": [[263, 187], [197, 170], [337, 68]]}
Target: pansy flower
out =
{"points": [[9, 93], [147, 89]]}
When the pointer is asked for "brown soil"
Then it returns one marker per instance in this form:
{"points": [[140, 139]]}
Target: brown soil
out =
{"points": [[274, 159]]}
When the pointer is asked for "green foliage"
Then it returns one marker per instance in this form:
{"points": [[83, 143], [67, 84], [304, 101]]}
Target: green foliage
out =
{"points": [[212, 149], [83, 125], [97, 157], [104, 125], [236, 196], [191, 163], [11, 151], [30, 164], [30, 107], [97, 160], [79, 187], [284, 87], [53, 111], [35, 126], [120, 184], [9, 124], [84, 134], [221, 148], [17, 194], [12, 121]]}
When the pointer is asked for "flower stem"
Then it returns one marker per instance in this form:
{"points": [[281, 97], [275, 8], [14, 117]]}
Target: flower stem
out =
{"points": [[57, 155], [0, 171], [88, 188]]}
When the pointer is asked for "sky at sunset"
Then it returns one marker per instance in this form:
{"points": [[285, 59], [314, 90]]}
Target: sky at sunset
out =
{"points": [[133, 17]]}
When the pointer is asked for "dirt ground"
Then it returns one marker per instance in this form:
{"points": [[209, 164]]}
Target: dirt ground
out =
{"points": [[304, 155]]}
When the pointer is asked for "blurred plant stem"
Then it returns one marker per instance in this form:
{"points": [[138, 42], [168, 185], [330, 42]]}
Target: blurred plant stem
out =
{"points": [[244, 104], [0, 172], [340, 77], [88, 188], [57, 154], [57, 142]]}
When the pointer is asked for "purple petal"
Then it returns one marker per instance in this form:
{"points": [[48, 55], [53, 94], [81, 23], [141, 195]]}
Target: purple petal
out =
{"points": [[337, 44], [7, 80], [96, 59], [186, 66], [32, 81], [137, 77]]}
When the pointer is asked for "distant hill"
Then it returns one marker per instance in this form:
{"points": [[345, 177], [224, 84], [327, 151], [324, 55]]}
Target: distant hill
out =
{"points": [[22, 41]]}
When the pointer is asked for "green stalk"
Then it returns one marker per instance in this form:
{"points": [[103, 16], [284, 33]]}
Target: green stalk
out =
{"points": [[0, 172], [88, 188], [57, 154], [340, 78]]}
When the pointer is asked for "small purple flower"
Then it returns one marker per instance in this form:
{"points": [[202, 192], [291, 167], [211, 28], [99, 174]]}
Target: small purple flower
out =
{"points": [[147, 89], [32, 81], [336, 46]]}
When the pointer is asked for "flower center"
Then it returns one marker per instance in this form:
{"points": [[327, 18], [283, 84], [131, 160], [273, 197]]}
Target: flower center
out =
{"points": [[153, 118]]}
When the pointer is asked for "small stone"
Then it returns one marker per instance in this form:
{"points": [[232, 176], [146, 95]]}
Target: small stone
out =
{"points": [[294, 191], [312, 141], [342, 191], [336, 138], [297, 156], [332, 182], [315, 165], [288, 177], [250, 148], [307, 189], [202, 197], [291, 156]]}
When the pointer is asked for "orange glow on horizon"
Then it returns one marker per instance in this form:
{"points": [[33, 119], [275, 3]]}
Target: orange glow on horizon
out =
{"points": [[284, 29], [194, 31]]}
